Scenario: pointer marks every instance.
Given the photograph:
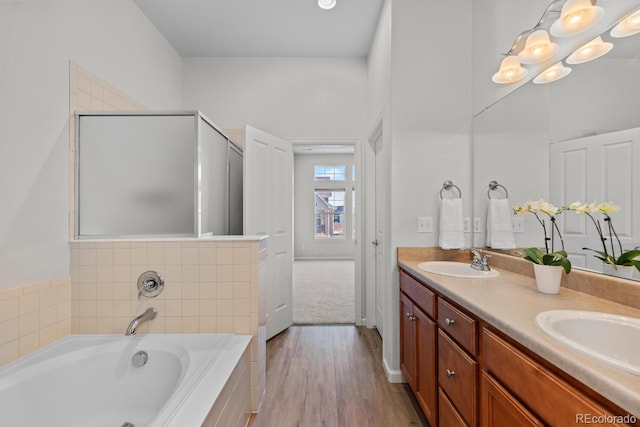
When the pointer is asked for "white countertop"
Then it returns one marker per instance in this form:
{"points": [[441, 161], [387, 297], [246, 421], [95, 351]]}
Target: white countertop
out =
{"points": [[510, 303]]}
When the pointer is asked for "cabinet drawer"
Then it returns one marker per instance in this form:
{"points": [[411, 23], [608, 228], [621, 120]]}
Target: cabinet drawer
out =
{"points": [[551, 398], [457, 324], [449, 417], [457, 376], [419, 293]]}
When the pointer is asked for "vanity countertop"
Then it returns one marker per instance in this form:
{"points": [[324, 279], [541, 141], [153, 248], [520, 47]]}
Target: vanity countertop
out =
{"points": [[510, 303]]}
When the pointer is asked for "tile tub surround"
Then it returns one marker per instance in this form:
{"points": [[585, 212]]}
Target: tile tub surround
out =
{"points": [[33, 316], [510, 303], [211, 286]]}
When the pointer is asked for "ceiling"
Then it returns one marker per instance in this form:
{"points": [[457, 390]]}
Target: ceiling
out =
{"points": [[264, 28]]}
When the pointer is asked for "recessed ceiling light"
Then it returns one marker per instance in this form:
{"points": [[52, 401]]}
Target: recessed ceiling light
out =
{"points": [[326, 4]]}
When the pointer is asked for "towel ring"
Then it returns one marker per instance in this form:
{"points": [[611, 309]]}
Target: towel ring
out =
{"points": [[493, 186], [448, 185]]}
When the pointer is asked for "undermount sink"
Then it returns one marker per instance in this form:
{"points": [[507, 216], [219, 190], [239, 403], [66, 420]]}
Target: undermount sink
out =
{"points": [[606, 337], [455, 269]]}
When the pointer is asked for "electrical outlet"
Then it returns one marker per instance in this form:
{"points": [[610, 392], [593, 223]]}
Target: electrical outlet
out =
{"points": [[425, 224], [518, 224], [466, 225], [476, 225]]}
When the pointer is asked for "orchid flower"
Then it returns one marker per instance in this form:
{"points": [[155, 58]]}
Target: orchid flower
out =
{"points": [[540, 206]]}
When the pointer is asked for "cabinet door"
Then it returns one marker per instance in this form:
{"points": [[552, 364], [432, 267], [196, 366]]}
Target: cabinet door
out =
{"points": [[499, 408], [407, 341], [426, 356]]}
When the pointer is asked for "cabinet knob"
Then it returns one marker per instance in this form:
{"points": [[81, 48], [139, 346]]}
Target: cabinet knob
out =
{"points": [[450, 373], [411, 316], [449, 322]]}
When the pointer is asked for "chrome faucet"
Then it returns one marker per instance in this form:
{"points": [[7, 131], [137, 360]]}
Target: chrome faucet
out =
{"points": [[149, 314], [479, 260]]}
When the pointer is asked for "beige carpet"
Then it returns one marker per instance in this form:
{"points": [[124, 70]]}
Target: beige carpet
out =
{"points": [[323, 292]]}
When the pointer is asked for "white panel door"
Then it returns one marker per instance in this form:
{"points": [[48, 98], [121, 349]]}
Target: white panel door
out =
{"points": [[598, 169], [380, 235], [268, 210]]}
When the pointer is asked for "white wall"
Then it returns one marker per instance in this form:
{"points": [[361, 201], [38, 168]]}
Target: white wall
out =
{"points": [[305, 243], [293, 98], [427, 137], [110, 38]]}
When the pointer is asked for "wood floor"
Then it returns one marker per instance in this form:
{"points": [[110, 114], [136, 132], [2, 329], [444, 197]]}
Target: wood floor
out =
{"points": [[332, 376]]}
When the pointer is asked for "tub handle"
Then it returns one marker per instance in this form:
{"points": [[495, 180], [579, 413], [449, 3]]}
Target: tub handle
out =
{"points": [[150, 284]]}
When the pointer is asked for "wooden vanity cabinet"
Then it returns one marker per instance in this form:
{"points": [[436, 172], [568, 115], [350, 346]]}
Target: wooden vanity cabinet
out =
{"points": [[418, 343], [477, 376]]}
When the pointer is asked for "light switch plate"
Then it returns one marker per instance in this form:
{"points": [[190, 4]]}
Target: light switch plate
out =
{"points": [[518, 224], [425, 224], [466, 225], [476, 225]]}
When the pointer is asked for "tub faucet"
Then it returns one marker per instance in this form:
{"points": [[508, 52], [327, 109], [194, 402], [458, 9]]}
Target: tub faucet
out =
{"points": [[479, 260], [149, 314]]}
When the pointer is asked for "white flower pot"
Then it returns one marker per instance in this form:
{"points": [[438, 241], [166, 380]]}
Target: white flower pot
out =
{"points": [[623, 271], [548, 278]]}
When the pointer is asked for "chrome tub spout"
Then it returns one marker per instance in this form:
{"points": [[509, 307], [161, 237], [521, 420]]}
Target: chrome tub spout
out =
{"points": [[149, 314]]}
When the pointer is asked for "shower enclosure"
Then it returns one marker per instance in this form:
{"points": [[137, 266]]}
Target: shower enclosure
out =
{"points": [[155, 174]]}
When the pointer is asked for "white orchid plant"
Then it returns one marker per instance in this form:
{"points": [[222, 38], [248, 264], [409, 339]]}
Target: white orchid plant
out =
{"points": [[550, 256], [608, 254]]}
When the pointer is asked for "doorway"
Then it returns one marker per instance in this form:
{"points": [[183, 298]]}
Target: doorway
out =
{"points": [[326, 230]]}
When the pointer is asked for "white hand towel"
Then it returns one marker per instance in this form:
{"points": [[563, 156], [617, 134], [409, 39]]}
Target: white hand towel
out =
{"points": [[451, 224], [499, 225]]}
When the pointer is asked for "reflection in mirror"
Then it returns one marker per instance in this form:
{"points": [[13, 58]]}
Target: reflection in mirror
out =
{"points": [[560, 141]]}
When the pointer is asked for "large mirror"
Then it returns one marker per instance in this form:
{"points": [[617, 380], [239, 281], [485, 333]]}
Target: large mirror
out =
{"points": [[574, 139]]}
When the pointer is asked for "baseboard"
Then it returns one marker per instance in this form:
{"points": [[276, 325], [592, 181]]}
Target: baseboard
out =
{"points": [[393, 375]]}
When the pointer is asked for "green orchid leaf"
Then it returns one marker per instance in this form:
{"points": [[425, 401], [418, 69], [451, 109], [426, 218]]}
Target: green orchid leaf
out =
{"points": [[536, 256], [602, 256], [627, 258]]}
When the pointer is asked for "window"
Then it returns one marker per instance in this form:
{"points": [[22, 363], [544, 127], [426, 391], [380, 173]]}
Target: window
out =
{"points": [[329, 173], [330, 214]]}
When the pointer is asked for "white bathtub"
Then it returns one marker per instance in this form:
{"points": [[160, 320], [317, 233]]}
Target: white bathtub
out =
{"points": [[90, 381]]}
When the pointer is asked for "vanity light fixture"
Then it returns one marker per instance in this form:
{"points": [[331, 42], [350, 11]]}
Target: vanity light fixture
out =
{"points": [[628, 26], [576, 16], [538, 48], [567, 26], [590, 51], [326, 4], [553, 73], [510, 71]]}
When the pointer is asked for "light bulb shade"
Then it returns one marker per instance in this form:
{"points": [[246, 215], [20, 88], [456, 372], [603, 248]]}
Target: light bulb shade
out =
{"points": [[576, 17], [326, 4], [590, 51], [538, 48], [553, 73], [510, 71], [628, 26]]}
